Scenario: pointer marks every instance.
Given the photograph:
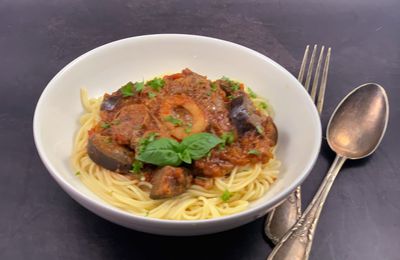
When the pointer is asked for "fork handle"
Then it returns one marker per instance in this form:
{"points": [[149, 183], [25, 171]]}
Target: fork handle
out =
{"points": [[283, 217], [296, 243]]}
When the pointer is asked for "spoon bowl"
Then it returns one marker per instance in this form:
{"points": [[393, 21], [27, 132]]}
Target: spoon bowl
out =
{"points": [[358, 124]]}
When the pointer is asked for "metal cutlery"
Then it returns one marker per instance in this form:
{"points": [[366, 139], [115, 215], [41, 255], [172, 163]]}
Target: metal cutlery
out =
{"points": [[354, 131], [283, 217]]}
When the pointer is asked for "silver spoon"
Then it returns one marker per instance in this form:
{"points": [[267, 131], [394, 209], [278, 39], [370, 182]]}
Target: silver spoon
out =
{"points": [[354, 131]]}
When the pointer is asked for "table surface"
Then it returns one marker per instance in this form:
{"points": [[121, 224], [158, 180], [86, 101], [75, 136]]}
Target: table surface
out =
{"points": [[38, 38]]}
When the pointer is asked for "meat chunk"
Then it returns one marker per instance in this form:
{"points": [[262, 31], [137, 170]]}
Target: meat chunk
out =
{"points": [[206, 183], [213, 166], [129, 122], [210, 99], [270, 130], [113, 103], [169, 182], [198, 121], [230, 87], [244, 115], [108, 154]]}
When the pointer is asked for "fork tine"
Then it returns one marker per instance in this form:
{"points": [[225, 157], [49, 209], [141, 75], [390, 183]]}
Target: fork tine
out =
{"points": [[303, 65], [321, 95], [316, 76], [310, 68]]}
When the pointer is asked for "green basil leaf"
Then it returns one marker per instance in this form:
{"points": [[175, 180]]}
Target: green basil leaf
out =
{"points": [[185, 156], [161, 152], [198, 145]]}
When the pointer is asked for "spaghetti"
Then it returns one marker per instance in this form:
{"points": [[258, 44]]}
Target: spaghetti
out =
{"points": [[230, 194]]}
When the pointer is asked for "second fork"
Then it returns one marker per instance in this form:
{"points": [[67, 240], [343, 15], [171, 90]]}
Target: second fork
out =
{"points": [[283, 217]]}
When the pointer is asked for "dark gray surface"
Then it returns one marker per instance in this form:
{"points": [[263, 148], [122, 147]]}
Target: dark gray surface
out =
{"points": [[37, 38]]}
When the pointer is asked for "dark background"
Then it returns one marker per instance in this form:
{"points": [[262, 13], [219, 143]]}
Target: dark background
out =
{"points": [[38, 38]]}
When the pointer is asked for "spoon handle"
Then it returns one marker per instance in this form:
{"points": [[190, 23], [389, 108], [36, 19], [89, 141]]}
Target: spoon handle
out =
{"points": [[296, 243]]}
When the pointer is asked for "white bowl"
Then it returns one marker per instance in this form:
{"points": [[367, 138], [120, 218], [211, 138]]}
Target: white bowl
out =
{"points": [[106, 68]]}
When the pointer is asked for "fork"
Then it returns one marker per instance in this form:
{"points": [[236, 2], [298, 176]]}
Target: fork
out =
{"points": [[284, 216]]}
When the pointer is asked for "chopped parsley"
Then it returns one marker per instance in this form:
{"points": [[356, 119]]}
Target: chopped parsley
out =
{"points": [[227, 138], [254, 152], [127, 90], [260, 130], [188, 129], [156, 83], [230, 97], [173, 120], [226, 196], [105, 125], [235, 86], [139, 86], [145, 141], [263, 105], [136, 167], [77, 173], [152, 136], [151, 94], [213, 87], [252, 94]]}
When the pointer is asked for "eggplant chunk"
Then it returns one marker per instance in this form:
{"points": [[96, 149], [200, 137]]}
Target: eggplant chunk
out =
{"points": [[110, 102], [169, 182], [108, 154], [243, 115]]}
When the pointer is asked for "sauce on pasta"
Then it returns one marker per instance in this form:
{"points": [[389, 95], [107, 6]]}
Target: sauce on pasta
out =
{"points": [[178, 147]]}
